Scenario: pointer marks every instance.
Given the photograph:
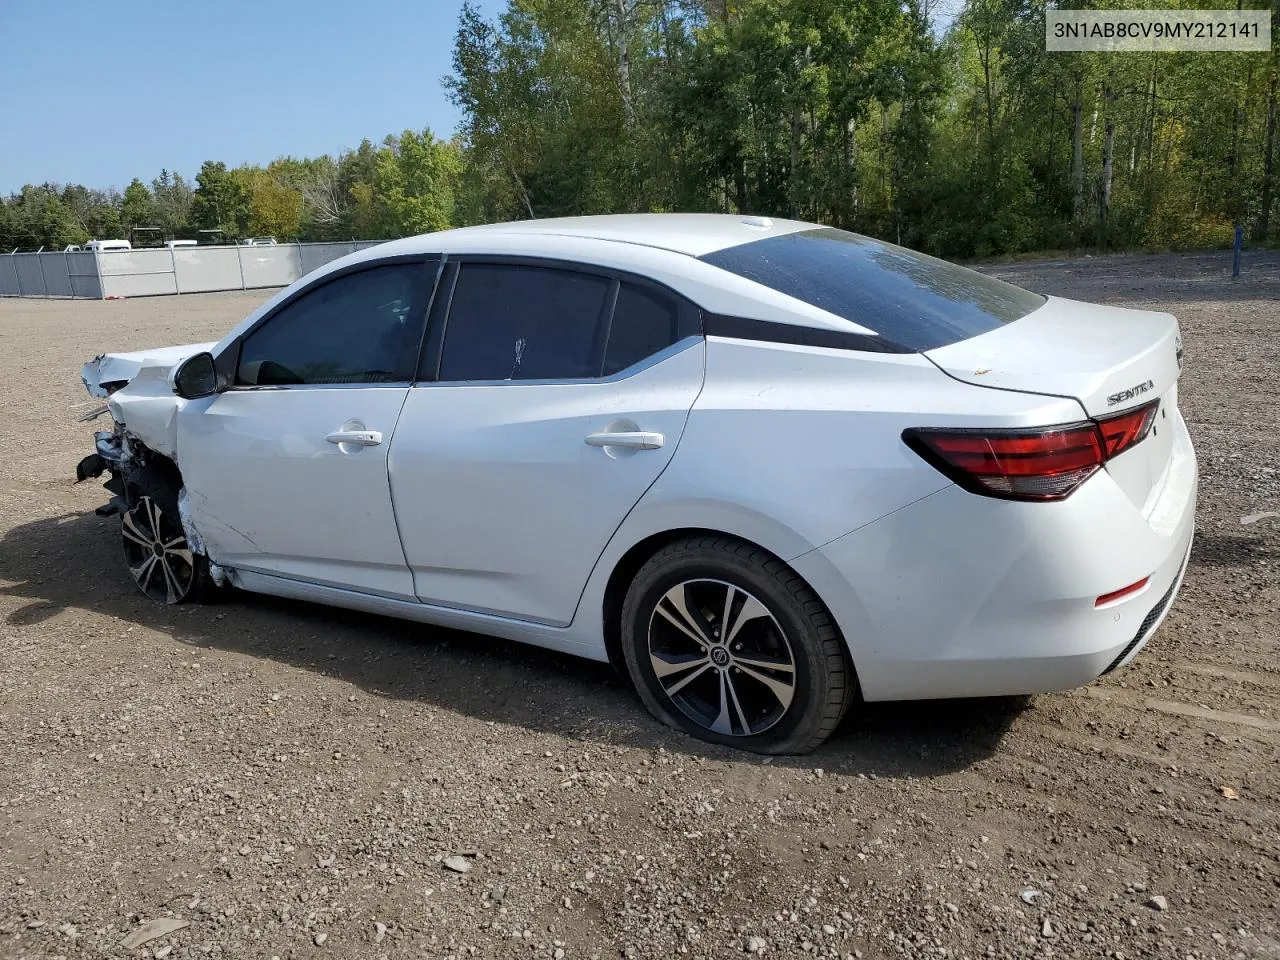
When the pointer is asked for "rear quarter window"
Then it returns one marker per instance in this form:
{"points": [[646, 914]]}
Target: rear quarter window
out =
{"points": [[911, 299]]}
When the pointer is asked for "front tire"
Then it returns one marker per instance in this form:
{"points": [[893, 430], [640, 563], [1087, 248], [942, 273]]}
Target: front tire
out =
{"points": [[725, 642], [159, 558]]}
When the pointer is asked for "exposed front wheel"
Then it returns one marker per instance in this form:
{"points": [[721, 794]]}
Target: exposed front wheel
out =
{"points": [[726, 642], [159, 558]]}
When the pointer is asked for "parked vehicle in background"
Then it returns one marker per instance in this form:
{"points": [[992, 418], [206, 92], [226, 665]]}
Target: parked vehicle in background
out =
{"points": [[765, 467], [103, 246], [144, 238], [175, 244], [260, 242]]}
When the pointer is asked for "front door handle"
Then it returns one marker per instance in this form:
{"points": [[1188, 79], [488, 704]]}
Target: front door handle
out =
{"points": [[632, 439], [359, 438]]}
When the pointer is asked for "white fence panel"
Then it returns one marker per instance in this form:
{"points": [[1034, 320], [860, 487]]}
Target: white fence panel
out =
{"points": [[136, 273], [265, 266], [202, 269], [115, 263], [138, 285], [154, 272]]}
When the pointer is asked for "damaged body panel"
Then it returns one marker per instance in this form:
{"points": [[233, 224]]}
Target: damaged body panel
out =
{"points": [[107, 372]]}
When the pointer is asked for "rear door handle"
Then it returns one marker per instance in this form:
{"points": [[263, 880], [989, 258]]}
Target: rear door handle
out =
{"points": [[360, 438], [633, 439]]}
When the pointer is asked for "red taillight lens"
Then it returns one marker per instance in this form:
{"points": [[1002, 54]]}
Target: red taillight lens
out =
{"points": [[1122, 431], [1046, 463]]}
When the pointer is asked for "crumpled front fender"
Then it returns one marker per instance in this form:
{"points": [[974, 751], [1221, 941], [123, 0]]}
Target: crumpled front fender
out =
{"points": [[109, 370]]}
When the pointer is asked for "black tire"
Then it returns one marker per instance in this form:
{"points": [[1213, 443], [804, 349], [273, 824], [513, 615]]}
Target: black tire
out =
{"points": [[177, 574], [745, 690]]}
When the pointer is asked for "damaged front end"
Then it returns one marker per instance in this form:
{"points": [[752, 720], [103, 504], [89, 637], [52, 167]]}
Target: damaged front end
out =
{"points": [[111, 453], [164, 553]]}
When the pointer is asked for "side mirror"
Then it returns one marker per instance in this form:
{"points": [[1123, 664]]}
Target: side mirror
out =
{"points": [[195, 377]]}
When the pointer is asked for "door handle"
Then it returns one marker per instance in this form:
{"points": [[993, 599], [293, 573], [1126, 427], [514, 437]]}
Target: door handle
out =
{"points": [[359, 438], [632, 439]]}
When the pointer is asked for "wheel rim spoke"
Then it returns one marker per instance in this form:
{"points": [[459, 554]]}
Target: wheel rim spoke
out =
{"points": [[722, 723], [737, 704], [665, 668], [180, 539], [726, 618], [684, 682], [763, 664], [171, 589], [783, 691], [752, 609], [153, 515], [681, 618], [143, 571], [182, 554], [131, 531]]}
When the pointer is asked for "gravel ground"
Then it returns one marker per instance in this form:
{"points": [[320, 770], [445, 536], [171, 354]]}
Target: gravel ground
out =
{"points": [[287, 780]]}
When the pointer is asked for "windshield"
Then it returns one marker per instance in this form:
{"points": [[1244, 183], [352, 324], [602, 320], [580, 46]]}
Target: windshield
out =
{"points": [[916, 301]]}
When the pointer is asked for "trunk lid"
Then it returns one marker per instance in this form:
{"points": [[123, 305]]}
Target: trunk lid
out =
{"points": [[1110, 359]]}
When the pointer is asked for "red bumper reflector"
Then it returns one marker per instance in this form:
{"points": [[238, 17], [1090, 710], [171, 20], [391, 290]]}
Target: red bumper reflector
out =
{"points": [[1122, 592]]}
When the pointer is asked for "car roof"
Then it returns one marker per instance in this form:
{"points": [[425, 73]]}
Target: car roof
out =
{"points": [[663, 247], [693, 234]]}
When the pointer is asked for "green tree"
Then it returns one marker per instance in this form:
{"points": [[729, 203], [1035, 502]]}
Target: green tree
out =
{"points": [[173, 199], [415, 179], [220, 201], [138, 207]]}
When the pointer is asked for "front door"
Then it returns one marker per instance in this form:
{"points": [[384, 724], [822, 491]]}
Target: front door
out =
{"points": [[286, 471], [557, 399]]}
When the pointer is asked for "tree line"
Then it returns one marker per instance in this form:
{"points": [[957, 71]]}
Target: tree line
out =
{"points": [[969, 142]]}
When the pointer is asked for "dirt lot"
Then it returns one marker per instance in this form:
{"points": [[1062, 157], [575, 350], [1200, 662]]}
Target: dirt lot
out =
{"points": [[289, 778]]}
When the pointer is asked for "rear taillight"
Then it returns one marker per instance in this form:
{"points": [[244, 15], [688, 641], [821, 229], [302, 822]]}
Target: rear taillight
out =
{"points": [[1044, 463]]}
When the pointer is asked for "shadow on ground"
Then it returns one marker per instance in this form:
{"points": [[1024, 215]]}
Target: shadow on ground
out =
{"points": [[74, 561], [1212, 548]]}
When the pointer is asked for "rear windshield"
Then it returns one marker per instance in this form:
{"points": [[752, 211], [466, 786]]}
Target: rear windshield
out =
{"points": [[916, 301]]}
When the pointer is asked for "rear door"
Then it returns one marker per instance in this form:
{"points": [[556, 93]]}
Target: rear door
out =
{"points": [[286, 471], [551, 398]]}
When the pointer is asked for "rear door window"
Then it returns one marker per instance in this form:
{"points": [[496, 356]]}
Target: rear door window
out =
{"points": [[910, 299], [644, 323], [517, 322]]}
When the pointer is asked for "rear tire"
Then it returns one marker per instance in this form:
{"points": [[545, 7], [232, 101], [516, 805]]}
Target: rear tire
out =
{"points": [[157, 554], [727, 643]]}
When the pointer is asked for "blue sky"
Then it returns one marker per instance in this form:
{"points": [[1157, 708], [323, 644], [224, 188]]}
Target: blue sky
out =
{"points": [[98, 93]]}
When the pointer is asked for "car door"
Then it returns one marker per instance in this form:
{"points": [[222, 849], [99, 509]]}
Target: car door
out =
{"points": [[286, 471], [551, 398]]}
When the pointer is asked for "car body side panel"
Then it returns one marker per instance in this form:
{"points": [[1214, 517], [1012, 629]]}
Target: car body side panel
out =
{"points": [[502, 503], [148, 409], [812, 436], [269, 493], [961, 595]]}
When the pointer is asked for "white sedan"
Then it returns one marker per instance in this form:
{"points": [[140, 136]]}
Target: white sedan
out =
{"points": [[765, 467]]}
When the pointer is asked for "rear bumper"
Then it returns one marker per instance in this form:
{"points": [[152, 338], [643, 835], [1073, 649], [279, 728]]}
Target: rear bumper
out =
{"points": [[960, 595]]}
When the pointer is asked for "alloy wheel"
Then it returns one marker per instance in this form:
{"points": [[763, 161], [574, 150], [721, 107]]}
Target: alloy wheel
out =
{"points": [[721, 657], [156, 550]]}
